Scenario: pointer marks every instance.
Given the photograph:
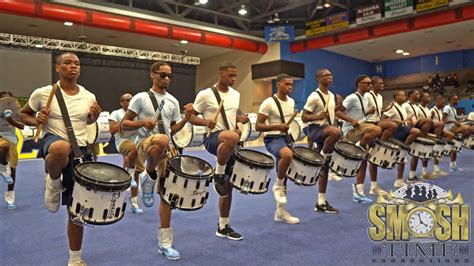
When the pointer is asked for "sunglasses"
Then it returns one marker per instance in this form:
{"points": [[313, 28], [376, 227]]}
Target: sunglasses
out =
{"points": [[164, 75]]}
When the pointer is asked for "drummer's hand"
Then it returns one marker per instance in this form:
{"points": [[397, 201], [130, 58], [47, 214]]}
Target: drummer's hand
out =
{"points": [[457, 123], [354, 123], [244, 119], [238, 131], [282, 127], [188, 111], [322, 115], [211, 124], [149, 124], [42, 116], [372, 110], [95, 110]]}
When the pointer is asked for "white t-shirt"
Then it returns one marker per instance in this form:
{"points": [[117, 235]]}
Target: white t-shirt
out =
{"points": [[436, 114], [207, 105], [315, 105], [452, 116], [411, 110], [394, 112], [423, 112], [371, 102], [270, 109], [142, 106], [117, 116], [354, 109], [8, 131], [78, 107]]}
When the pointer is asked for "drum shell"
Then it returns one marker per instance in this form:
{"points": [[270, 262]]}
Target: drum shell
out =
{"points": [[469, 142], [404, 150], [457, 144], [183, 138], [249, 132], [296, 129], [448, 147], [304, 171], [99, 132], [250, 176], [438, 148], [344, 162], [198, 136], [422, 148], [384, 154]]}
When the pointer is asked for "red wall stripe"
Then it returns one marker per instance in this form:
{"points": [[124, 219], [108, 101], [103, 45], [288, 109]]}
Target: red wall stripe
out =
{"points": [[179, 33], [354, 35], [110, 21], [155, 29], [63, 13], [217, 39]]}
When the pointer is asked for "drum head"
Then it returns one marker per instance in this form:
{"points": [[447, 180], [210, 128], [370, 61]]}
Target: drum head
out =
{"points": [[183, 137], [387, 144], [425, 141], [102, 176], [350, 150], [255, 158], [439, 141], [400, 144], [295, 130], [308, 155], [92, 131], [246, 130], [190, 167]]}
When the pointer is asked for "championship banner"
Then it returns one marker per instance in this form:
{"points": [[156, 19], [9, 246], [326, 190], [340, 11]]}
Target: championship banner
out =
{"points": [[395, 8], [315, 27], [337, 21], [279, 33], [368, 13], [424, 5]]}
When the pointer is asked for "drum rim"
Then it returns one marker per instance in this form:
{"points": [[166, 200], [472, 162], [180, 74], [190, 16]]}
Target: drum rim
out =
{"points": [[387, 144], [247, 192], [425, 141], [352, 156], [242, 159], [300, 158], [438, 141], [180, 173], [98, 185], [190, 140], [301, 134], [98, 223], [400, 144]]}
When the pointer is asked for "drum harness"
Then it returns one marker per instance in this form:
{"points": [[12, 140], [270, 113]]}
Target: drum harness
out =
{"points": [[289, 137]]}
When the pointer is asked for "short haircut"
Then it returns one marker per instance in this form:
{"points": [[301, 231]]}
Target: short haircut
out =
{"points": [[281, 77], [157, 66], [226, 65], [361, 77], [452, 96], [320, 72], [439, 97], [59, 58], [6, 93], [375, 79], [411, 92], [395, 94], [123, 96]]}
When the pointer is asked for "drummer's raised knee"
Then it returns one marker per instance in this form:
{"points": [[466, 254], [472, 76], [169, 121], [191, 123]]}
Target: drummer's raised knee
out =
{"points": [[286, 155], [230, 137], [60, 149]]}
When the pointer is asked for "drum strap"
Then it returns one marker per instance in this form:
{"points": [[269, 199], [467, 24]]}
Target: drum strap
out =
{"points": [[361, 103], [289, 137], [438, 114], [218, 98], [414, 111], [67, 122], [399, 112], [423, 111], [454, 112], [376, 104], [324, 104], [161, 126]]}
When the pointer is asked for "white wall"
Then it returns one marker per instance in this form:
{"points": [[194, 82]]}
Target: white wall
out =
{"points": [[252, 93]]}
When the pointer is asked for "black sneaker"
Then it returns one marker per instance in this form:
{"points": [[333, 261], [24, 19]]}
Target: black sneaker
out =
{"points": [[415, 179], [326, 208], [220, 185], [228, 232]]}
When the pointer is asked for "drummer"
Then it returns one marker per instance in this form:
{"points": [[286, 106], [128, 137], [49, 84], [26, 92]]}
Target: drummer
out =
{"points": [[437, 117], [277, 140], [54, 146], [453, 124], [8, 151], [153, 140], [223, 139], [125, 145], [318, 111], [356, 130], [405, 131]]}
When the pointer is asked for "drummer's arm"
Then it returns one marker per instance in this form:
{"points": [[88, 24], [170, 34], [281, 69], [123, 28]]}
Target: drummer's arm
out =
{"points": [[446, 121], [15, 123], [114, 127], [128, 122], [396, 121], [341, 114], [27, 116], [188, 113], [198, 121], [308, 116]]}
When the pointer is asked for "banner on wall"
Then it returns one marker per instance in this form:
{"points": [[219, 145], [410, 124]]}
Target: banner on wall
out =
{"points": [[368, 13], [315, 27], [424, 5], [279, 34], [396, 8], [337, 21]]}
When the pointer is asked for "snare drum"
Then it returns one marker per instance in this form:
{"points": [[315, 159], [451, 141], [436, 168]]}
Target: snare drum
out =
{"points": [[422, 148], [448, 147], [251, 172], [296, 129], [438, 148], [457, 144], [99, 192], [186, 185], [99, 132], [189, 136], [469, 142], [404, 150], [249, 133], [346, 159], [384, 154], [305, 166]]}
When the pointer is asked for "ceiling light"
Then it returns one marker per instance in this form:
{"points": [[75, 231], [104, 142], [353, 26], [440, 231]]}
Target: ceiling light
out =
{"points": [[68, 23], [183, 41], [327, 5], [243, 11], [406, 53], [39, 46], [276, 18], [270, 21], [203, 2], [399, 51], [319, 5]]}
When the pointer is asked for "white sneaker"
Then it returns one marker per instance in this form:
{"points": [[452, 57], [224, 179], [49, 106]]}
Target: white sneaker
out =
{"points": [[9, 197], [280, 194], [399, 183], [286, 217], [51, 195], [6, 173], [377, 190], [429, 176], [440, 173], [76, 263], [334, 176]]}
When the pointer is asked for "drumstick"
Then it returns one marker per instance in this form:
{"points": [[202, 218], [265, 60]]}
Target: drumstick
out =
{"points": [[48, 104], [325, 109], [431, 135], [216, 116], [291, 118]]}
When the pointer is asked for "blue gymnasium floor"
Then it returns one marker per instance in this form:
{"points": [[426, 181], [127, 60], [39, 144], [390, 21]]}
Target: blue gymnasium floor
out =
{"points": [[30, 235]]}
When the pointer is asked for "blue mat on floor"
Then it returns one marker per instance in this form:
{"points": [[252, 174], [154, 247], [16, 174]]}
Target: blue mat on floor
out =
{"points": [[30, 235]]}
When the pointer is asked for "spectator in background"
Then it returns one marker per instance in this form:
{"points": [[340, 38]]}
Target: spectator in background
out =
{"points": [[455, 80], [443, 80], [430, 81]]}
